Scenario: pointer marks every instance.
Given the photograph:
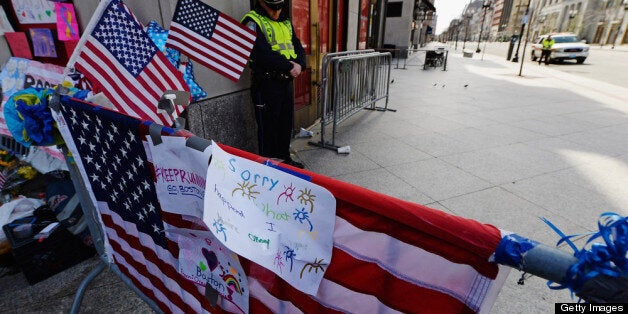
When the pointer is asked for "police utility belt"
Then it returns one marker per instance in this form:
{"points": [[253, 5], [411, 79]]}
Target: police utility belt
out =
{"points": [[273, 75]]}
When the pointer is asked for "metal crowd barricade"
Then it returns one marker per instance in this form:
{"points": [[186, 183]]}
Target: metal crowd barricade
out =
{"points": [[426, 58], [95, 228], [537, 259], [323, 86], [352, 82], [9, 144], [397, 55]]}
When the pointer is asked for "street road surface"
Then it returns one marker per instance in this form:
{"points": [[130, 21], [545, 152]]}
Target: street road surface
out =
{"points": [[603, 64]]}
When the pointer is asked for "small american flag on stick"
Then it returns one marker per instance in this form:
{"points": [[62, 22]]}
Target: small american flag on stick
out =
{"points": [[119, 58], [211, 38]]}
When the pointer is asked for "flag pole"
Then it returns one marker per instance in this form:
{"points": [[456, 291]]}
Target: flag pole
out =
{"points": [[88, 30], [562, 268]]}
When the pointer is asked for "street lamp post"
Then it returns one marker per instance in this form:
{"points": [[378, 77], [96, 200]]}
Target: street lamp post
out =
{"points": [[467, 17], [524, 21], [485, 5], [457, 33]]}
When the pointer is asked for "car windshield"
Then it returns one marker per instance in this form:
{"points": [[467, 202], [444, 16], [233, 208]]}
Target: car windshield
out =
{"points": [[565, 39]]}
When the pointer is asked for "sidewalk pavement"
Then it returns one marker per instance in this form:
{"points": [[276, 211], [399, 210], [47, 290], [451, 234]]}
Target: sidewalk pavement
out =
{"points": [[477, 141]]}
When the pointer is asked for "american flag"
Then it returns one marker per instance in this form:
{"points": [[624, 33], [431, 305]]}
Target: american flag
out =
{"points": [[211, 38], [389, 255], [116, 55], [109, 151]]}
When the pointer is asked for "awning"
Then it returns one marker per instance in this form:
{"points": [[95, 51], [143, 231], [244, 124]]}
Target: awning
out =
{"points": [[429, 6]]}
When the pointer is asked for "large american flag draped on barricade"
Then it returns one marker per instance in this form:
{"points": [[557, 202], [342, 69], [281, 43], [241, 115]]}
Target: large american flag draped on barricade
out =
{"points": [[211, 38], [120, 60], [388, 254]]}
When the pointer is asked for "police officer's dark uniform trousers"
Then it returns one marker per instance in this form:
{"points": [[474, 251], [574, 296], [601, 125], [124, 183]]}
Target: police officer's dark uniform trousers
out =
{"points": [[271, 87]]}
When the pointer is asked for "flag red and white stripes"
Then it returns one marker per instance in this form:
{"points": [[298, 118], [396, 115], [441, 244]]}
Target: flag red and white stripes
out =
{"points": [[118, 57], [211, 38], [389, 255]]}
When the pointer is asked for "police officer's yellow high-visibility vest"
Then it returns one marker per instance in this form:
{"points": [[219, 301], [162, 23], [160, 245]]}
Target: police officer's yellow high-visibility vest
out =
{"points": [[278, 34], [547, 43]]}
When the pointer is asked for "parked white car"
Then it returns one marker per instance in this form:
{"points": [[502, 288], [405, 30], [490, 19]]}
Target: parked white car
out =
{"points": [[566, 47]]}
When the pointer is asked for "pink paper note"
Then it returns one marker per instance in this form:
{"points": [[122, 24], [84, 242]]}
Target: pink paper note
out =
{"points": [[18, 44], [67, 27]]}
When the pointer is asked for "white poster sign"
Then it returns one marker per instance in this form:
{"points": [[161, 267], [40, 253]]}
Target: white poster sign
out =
{"points": [[280, 221], [35, 11], [179, 175]]}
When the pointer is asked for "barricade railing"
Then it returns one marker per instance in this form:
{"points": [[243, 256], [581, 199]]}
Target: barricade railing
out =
{"points": [[9, 144], [398, 55], [95, 228], [513, 251], [355, 81], [426, 57], [323, 86]]}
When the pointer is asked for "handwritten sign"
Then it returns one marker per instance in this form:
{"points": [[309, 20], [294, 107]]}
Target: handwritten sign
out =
{"points": [[179, 175], [67, 26], [34, 11], [206, 262], [280, 221], [43, 75]]}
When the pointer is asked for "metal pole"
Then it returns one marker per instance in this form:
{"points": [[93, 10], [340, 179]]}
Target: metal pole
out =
{"points": [[525, 45], [466, 32], [484, 6], [491, 18], [523, 25], [457, 33]]}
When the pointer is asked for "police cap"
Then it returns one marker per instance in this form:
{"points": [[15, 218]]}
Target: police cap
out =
{"points": [[274, 4]]}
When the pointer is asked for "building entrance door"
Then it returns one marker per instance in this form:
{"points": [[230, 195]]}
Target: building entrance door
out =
{"points": [[319, 35]]}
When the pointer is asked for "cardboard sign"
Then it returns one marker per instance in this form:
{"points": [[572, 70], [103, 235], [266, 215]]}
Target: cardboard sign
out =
{"points": [[20, 48]]}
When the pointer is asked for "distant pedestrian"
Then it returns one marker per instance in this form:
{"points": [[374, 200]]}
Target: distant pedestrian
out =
{"points": [[547, 43]]}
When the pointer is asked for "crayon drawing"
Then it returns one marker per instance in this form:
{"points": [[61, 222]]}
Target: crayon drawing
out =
{"points": [[34, 11]]}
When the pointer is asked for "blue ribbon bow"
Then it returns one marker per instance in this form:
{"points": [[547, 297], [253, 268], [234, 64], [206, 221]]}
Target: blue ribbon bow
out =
{"points": [[608, 258]]}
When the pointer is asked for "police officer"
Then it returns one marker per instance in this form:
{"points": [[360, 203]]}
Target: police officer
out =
{"points": [[546, 51], [276, 59]]}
